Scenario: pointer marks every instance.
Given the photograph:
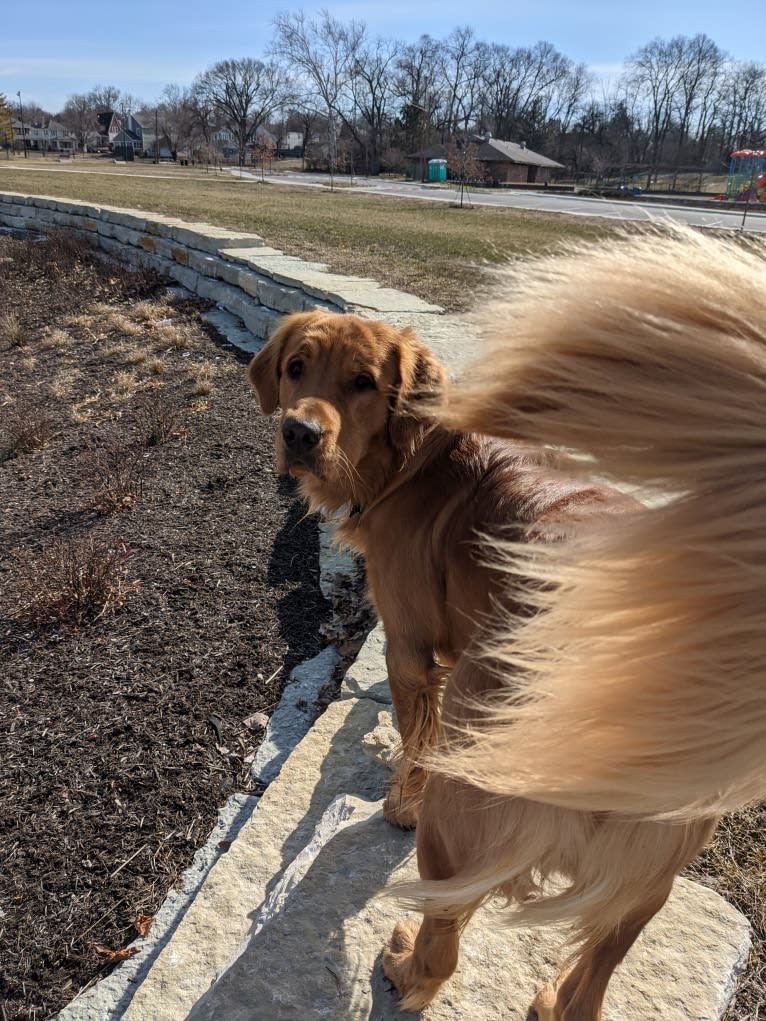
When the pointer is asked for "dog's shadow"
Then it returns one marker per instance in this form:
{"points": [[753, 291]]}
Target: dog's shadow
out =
{"points": [[319, 956], [303, 601]]}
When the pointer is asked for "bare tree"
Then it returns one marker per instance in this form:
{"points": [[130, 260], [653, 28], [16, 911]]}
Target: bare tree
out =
{"points": [[372, 91], [742, 107], [702, 64], [263, 151], [79, 115], [104, 97], [176, 117], [6, 126], [325, 51], [462, 66], [419, 87], [653, 74], [525, 87], [464, 165], [244, 93]]}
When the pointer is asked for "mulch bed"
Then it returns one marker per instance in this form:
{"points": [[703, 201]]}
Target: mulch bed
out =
{"points": [[158, 582]]}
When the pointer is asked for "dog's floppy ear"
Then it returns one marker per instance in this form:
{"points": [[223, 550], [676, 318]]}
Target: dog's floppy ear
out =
{"points": [[421, 377], [263, 370]]}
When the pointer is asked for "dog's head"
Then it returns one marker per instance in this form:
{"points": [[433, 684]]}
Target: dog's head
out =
{"points": [[347, 388]]}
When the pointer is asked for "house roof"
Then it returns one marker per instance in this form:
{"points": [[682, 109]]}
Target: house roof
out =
{"points": [[492, 150], [125, 136], [496, 150]]}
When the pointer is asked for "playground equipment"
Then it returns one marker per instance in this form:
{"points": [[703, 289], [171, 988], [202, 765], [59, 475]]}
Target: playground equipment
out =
{"points": [[747, 176]]}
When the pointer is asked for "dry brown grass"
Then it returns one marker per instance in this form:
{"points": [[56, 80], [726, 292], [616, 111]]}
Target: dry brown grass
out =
{"points": [[124, 383], [122, 323], [202, 374], [12, 330], [430, 249], [151, 311], [734, 865], [57, 338], [170, 336], [61, 384], [156, 366]]}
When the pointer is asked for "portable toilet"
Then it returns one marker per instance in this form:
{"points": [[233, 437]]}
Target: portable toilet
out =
{"points": [[437, 170]]}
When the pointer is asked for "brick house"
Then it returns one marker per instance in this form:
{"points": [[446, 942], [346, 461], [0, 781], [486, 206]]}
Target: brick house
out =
{"points": [[503, 162]]}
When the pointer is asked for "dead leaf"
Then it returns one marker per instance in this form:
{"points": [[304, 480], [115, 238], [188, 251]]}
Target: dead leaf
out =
{"points": [[258, 721], [114, 956], [143, 923]]}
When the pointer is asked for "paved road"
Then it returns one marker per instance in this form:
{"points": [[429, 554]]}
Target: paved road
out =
{"points": [[573, 205]]}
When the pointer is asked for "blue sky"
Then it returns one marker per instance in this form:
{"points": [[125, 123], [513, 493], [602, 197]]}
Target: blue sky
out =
{"points": [[52, 48]]}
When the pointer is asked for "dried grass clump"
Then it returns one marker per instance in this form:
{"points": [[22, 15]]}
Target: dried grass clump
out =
{"points": [[171, 337], [57, 338], [12, 330], [124, 383], [156, 366], [201, 375], [121, 323], [151, 311]]}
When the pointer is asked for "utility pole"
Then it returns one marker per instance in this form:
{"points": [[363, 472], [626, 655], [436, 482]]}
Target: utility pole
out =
{"points": [[21, 117], [156, 139]]}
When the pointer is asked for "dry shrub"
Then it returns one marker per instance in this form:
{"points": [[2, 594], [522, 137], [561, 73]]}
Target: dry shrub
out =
{"points": [[24, 429], [72, 581], [83, 320], [158, 421], [118, 478], [12, 330], [58, 255]]}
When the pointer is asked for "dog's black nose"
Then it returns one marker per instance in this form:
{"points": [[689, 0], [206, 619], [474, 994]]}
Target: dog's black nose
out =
{"points": [[300, 435]]}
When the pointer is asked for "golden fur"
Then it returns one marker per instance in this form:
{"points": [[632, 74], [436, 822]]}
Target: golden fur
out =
{"points": [[604, 696]]}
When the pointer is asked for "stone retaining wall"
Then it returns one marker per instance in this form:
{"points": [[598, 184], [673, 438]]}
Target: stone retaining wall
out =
{"points": [[235, 269]]}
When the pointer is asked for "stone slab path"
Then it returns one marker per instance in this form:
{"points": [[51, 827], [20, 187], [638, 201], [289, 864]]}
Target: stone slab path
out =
{"points": [[289, 925]]}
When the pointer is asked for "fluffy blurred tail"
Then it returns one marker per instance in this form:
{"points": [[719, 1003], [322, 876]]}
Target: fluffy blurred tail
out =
{"points": [[640, 687]]}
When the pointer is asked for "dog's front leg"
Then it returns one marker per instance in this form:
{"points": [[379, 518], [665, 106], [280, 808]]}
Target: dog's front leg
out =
{"points": [[415, 682]]}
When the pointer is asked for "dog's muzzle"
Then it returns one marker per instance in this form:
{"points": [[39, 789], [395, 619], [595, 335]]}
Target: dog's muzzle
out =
{"points": [[301, 437]]}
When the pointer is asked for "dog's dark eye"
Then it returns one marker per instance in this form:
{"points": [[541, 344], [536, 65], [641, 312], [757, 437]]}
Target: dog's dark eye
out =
{"points": [[295, 369], [362, 382]]}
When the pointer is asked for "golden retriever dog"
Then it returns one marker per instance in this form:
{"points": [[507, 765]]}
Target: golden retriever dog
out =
{"points": [[601, 662]]}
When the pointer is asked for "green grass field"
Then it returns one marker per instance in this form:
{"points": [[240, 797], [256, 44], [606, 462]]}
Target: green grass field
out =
{"points": [[435, 251]]}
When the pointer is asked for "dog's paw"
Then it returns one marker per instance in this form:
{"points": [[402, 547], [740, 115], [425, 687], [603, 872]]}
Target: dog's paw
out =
{"points": [[399, 810], [544, 1004], [415, 992]]}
